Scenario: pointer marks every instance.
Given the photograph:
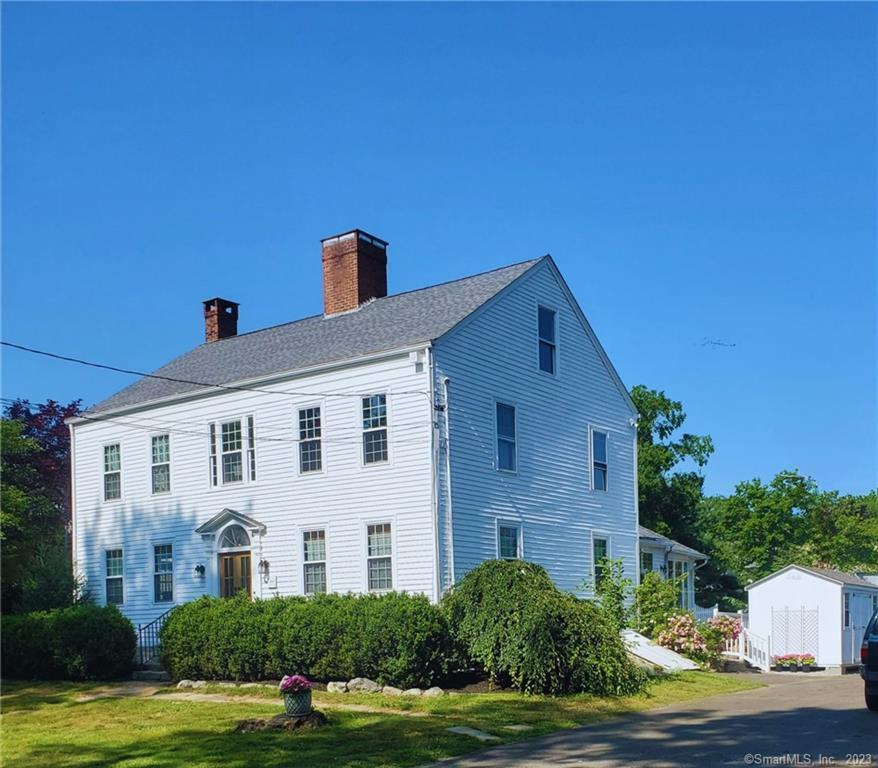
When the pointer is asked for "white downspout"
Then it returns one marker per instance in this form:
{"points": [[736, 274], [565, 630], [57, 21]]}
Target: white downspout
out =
{"points": [[434, 476], [449, 520]]}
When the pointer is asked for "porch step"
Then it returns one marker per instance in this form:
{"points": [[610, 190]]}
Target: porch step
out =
{"points": [[151, 676]]}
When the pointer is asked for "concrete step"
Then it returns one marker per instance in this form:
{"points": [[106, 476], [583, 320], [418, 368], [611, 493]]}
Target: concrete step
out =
{"points": [[151, 675]]}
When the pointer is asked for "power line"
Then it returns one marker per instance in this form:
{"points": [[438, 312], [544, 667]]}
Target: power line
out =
{"points": [[191, 382], [157, 427]]}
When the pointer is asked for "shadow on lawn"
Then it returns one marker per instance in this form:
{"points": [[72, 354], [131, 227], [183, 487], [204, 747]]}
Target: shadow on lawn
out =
{"points": [[346, 741]]}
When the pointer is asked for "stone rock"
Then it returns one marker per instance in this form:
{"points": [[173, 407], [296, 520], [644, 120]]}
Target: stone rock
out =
{"points": [[199, 684], [251, 685], [336, 687], [363, 685], [184, 684], [282, 723], [465, 730], [434, 691], [389, 690], [413, 692]]}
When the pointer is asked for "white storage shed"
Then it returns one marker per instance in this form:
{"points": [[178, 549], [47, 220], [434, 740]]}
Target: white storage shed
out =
{"points": [[801, 609]]}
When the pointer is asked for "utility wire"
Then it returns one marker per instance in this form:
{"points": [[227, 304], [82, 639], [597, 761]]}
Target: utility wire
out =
{"points": [[160, 377]]}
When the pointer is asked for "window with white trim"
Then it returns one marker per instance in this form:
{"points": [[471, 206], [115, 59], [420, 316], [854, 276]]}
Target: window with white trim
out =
{"points": [[508, 541], [546, 325], [506, 447], [847, 609], [310, 440], [379, 557], [600, 550], [233, 451], [163, 573], [112, 472], [375, 429], [646, 563], [114, 565], [874, 604], [161, 463], [598, 460], [314, 552]]}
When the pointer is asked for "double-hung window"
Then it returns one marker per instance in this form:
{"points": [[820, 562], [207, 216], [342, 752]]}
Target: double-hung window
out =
{"points": [[508, 537], [547, 327], [506, 449], [115, 574], [232, 447], [163, 573], [599, 465], [646, 563], [374, 429], [161, 463], [112, 472], [310, 439], [600, 552], [314, 550], [379, 557], [233, 451]]}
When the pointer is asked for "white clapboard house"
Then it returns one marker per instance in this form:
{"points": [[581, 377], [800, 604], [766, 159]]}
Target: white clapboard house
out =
{"points": [[390, 443]]}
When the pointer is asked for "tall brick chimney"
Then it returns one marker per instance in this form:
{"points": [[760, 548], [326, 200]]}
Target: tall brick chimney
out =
{"points": [[220, 319], [354, 270]]}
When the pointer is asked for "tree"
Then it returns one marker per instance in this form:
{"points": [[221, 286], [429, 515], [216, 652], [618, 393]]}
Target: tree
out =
{"points": [[668, 499], [760, 527], [840, 532], [36, 569]]}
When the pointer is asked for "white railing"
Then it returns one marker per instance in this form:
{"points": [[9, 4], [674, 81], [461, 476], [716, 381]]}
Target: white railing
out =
{"points": [[753, 649]]}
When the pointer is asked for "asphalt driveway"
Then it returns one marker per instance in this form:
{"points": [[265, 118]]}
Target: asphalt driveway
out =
{"points": [[797, 720]]}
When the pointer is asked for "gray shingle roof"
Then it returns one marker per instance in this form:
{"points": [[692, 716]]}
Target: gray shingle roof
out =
{"points": [[681, 549], [841, 577], [377, 326]]}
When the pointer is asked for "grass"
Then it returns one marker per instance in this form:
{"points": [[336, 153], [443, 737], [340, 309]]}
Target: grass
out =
{"points": [[44, 724]]}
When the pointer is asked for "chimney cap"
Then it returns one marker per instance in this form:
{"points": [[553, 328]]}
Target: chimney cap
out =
{"points": [[221, 300], [351, 233]]}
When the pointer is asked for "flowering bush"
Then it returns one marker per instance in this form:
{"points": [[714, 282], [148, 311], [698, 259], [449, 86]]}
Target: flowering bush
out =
{"points": [[795, 660], [728, 626], [681, 635], [294, 684]]}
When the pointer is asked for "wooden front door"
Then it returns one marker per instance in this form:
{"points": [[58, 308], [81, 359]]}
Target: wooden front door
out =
{"points": [[234, 570]]}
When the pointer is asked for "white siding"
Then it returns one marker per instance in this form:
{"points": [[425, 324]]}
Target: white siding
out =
{"points": [[342, 499], [493, 356]]}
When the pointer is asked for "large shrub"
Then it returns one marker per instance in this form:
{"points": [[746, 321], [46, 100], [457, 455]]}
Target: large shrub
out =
{"points": [[511, 621], [656, 600], [393, 638], [83, 642]]}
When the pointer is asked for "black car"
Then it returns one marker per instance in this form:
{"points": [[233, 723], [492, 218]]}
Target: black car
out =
{"points": [[869, 662]]}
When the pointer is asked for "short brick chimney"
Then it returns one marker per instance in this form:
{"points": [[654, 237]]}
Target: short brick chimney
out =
{"points": [[354, 271], [220, 319]]}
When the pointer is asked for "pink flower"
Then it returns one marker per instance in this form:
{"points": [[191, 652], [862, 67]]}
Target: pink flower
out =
{"points": [[295, 684]]}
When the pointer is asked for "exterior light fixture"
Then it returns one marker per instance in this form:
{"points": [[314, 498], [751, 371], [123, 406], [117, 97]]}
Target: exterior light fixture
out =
{"points": [[263, 569]]}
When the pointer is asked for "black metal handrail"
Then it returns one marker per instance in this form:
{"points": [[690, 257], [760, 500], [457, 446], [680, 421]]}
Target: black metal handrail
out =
{"points": [[149, 639]]}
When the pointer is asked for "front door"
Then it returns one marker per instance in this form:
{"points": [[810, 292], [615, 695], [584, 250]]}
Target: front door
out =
{"points": [[234, 570]]}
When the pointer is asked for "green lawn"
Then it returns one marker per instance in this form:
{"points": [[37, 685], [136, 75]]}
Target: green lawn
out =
{"points": [[43, 724]]}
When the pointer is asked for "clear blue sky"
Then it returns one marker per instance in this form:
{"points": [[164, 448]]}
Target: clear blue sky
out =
{"points": [[698, 171]]}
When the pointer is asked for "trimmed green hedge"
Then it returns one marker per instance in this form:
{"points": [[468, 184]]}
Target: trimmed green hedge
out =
{"points": [[394, 638], [513, 622], [83, 642]]}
